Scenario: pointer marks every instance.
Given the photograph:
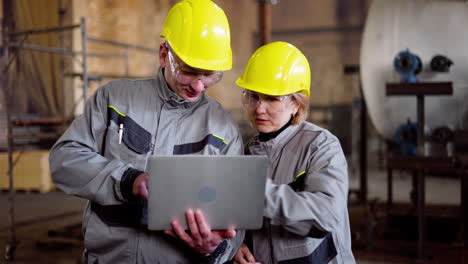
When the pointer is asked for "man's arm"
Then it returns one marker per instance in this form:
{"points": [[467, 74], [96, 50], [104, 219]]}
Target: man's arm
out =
{"points": [[76, 163]]}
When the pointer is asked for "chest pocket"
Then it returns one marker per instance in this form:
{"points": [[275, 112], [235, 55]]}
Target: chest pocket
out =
{"points": [[200, 147], [135, 137], [299, 181]]}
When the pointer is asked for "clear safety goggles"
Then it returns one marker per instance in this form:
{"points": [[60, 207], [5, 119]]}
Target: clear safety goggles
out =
{"points": [[185, 74], [274, 104]]}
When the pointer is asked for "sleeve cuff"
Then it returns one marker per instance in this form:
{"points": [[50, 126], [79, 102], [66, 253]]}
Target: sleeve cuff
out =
{"points": [[211, 258], [126, 183]]}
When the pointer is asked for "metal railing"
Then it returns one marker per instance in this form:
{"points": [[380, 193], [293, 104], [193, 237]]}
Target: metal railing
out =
{"points": [[9, 55]]}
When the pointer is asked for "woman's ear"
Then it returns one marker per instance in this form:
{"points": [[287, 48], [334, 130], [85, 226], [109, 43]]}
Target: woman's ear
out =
{"points": [[296, 108]]}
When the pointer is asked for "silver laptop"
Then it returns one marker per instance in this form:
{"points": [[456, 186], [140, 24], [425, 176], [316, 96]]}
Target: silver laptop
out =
{"points": [[229, 190]]}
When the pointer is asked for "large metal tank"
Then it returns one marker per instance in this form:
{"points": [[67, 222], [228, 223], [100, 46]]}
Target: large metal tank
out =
{"points": [[427, 28]]}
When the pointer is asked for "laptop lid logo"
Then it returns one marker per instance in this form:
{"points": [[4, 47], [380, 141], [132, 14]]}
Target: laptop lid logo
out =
{"points": [[206, 194]]}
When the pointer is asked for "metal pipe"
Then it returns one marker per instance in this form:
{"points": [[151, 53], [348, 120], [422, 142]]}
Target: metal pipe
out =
{"points": [[11, 245], [127, 69], [106, 55], [119, 76], [318, 30], [121, 44], [420, 178], [42, 48], [264, 22], [35, 136], [10, 61], [389, 188], [420, 112], [363, 150], [84, 38], [18, 157], [421, 217], [61, 17], [100, 76], [40, 122], [44, 30], [63, 50]]}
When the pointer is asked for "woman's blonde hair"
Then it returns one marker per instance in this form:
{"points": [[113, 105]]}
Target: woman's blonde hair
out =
{"points": [[303, 110]]}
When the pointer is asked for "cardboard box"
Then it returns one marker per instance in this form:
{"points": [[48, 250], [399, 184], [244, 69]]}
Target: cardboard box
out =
{"points": [[31, 172]]}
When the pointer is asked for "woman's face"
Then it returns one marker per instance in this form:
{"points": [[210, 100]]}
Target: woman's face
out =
{"points": [[269, 113]]}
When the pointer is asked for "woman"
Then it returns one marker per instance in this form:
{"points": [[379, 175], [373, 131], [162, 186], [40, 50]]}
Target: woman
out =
{"points": [[305, 215]]}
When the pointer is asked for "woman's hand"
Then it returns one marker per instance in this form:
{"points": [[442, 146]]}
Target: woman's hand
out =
{"points": [[200, 237], [244, 256]]}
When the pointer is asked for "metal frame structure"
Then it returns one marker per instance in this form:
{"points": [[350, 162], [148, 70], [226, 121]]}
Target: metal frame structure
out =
{"points": [[9, 49], [419, 164]]}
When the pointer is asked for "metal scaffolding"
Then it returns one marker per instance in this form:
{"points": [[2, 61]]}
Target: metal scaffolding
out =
{"points": [[9, 55]]}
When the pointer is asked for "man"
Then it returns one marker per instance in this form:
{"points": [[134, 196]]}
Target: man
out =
{"points": [[102, 156]]}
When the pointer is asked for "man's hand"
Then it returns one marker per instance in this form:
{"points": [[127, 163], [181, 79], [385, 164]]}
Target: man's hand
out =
{"points": [[200, 237], [244, 256], [140, 186]]}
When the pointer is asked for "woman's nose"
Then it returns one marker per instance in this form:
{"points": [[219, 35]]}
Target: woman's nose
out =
{"points": [[260, 108]]}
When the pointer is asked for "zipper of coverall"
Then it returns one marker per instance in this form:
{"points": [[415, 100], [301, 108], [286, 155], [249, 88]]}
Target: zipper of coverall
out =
{"points": [[157, 125], [153, 145], [270, 240]]}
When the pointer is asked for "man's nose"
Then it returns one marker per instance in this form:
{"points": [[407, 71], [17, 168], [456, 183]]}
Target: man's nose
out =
{"points": [[197, 84]]}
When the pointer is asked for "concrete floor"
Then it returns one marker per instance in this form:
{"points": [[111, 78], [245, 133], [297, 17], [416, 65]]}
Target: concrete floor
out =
{"points": [[439, 190], [442, 195], [36, 214]]}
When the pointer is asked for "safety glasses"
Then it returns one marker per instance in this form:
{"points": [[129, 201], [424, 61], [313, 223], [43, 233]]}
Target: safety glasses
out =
{"points": [[186, 75], [274, 104]]}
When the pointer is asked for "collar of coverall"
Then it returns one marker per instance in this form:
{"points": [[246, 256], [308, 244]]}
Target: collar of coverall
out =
{"points": [[173, 98]]}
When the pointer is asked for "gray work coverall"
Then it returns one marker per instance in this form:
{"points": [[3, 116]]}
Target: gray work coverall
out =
{"points": [[306, 217], [90, 162]]}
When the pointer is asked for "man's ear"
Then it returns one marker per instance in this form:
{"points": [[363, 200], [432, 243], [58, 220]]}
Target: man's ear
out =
{"points": [[163, 58]]}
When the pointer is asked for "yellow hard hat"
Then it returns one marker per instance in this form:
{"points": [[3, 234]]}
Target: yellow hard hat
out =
{"points": [[277, 68], [198, 32]]}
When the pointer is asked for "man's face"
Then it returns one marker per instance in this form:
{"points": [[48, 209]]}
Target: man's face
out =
{"points": [[189, 83]]}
